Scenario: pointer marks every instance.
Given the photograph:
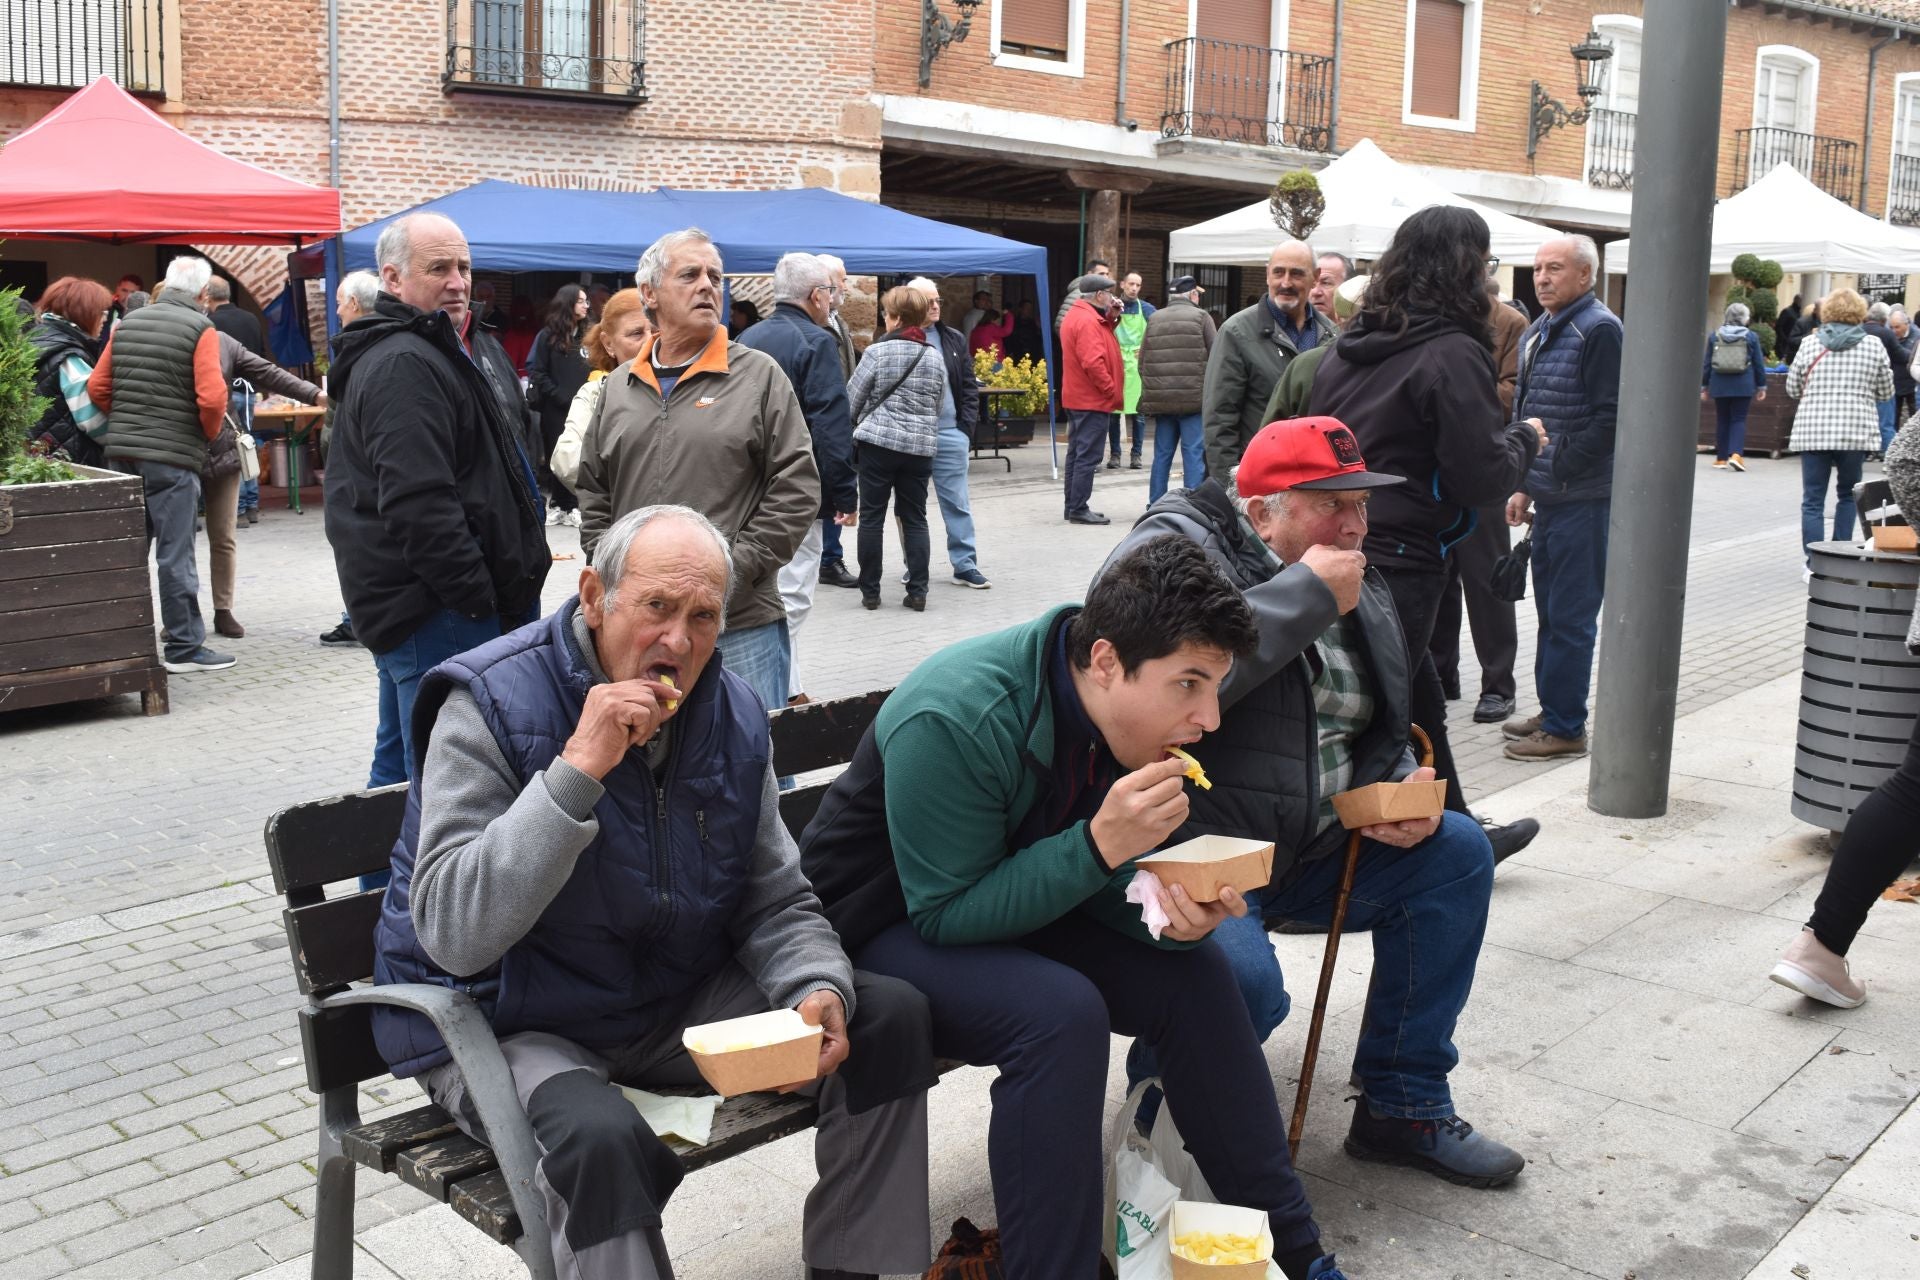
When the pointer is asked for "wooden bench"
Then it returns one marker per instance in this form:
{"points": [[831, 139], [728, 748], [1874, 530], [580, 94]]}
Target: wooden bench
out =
{"points": [[322, 843]]}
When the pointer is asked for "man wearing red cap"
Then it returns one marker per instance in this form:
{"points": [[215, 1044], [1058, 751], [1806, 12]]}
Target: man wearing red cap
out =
{"points": [[1320, 708]]}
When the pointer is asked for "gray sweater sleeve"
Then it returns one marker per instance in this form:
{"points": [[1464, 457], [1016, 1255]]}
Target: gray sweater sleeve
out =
{"points": [[492, 853], [780, 935]]}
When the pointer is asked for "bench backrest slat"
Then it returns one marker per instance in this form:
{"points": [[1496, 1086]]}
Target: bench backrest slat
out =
{"points": [[332, 941], [820, 735], [339, 838]]}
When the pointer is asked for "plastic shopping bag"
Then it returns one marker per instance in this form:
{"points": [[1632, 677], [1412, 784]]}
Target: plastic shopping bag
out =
{"points": [[1140, 1201]]}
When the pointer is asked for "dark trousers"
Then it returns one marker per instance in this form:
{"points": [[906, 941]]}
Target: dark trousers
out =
{"points": [[1041, 1009], [1113, 436], [1881, 838], [1495, 641], [1569, 574], [1086, 437], [1730, 425], [1416, 597], [902, 477]]}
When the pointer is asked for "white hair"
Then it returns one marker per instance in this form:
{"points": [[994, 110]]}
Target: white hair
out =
{"points": [[924, 285], [1273, 503], [832, 262], [797, 275], [610, 556], [188, 275], [1878, 313], [652, 267], [363, 287], [1738, 313], [394, 248], [1584, 251]]}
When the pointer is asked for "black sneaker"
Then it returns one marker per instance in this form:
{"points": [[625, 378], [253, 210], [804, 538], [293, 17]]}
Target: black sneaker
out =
{"points": [[836, 575], [1509, 838], [916, 603], [1087, 517], [340, 635], [1446, 1148], [201, 659]]}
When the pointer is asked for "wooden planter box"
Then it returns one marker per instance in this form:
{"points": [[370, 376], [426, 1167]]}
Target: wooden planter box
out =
{"points": [[76, 609], [1769, 421]]}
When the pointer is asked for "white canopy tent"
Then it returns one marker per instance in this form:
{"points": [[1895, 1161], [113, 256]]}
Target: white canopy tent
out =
{"points": [[1786, 218], [1368, 195]]}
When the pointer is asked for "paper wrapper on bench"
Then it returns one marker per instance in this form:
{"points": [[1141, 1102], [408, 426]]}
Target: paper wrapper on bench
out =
{"points": [[1390, 802], [1219, 1219], [756, 1053], [1880, 513], [1207, 864]]}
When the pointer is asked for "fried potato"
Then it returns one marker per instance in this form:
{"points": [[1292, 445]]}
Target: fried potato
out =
{"points": [[1194, 771], [1218, 1249]]}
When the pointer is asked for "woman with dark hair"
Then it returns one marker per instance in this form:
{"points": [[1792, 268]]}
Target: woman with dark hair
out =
{"points": [[557, 368], [65, 337], [1413, 377]]}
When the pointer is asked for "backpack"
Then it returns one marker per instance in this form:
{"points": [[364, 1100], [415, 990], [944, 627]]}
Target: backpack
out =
{"points": [[1729, 355]]}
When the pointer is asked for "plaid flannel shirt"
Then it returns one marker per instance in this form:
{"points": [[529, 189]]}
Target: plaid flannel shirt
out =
{"points": [[1343, 703], [1839, 392]]}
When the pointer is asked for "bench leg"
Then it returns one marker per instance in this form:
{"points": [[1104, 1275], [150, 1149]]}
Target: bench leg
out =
{"points": [[333, 1207]]}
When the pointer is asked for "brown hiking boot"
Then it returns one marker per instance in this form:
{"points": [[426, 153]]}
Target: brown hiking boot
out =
{"points": [[224, 623], [1540, 745], [1521, 726]]}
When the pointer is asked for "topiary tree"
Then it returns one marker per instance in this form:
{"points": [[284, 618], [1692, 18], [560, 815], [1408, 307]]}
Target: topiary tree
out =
{"points": [[1746, 268], [1765, 305], [1296, 203], [1769, 274], [1768, 338]]}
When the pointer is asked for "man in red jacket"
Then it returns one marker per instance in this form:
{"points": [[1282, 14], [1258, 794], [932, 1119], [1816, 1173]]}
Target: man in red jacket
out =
{"points": [[1092, 385]]}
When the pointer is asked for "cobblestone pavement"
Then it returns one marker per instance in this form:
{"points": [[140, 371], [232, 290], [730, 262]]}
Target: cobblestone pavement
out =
{"points": [[153, 1119]]}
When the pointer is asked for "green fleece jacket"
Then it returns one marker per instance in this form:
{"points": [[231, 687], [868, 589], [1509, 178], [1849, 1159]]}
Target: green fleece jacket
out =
{"points": [[967, 741]]}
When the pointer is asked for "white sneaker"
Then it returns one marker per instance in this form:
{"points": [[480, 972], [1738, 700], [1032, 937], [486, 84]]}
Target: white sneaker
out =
{"points": [[556, 516], [571, 518]]}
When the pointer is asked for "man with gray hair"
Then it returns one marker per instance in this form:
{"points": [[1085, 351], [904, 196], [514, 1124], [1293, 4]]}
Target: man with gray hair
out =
{"points": [[1899, 351], [160, 384], [797, 337], [1570, 381], [355, 297], [239, 324], [437, 525], [711, 424], [1253, 349], [959, 415], [595, 851], [833, 557]]}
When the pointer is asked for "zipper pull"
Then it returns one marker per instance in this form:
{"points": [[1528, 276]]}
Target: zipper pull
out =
{"points": [[660, 802], [700, 821]]}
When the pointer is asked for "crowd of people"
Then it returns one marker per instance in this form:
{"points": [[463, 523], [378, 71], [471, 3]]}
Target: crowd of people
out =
{"points": [[593, 844]]}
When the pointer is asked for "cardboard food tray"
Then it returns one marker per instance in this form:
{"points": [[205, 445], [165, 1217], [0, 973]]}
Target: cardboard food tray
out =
{"points": [[1206, 864], [1390, 802], [775, 1049], [1895, 537], [1219, 1219]]}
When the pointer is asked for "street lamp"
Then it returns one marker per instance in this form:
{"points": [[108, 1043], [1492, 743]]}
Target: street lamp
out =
{"points": [[937, 32], [1547, 114]]}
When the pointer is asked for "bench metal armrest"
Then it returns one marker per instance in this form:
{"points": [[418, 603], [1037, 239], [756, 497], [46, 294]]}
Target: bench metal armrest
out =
{"points": [[476, 1051]]}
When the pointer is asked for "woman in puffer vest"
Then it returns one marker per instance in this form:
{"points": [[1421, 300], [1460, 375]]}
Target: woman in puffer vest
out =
{"points": [[895, 398], [1839, 380]]}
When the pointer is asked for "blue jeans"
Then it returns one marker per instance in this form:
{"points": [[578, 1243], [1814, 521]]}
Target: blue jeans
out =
{"points": [[1889, 423], [831, 552], [950, 486], [1569, 573], [249, 496], [438, 638], [1427, 910], [760, 656], [1185, 432], [1730, 425], [172, 493], [1844, 466], [1114, 436]]}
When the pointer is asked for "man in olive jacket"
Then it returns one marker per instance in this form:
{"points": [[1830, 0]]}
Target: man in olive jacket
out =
{"points": [[1173, 373], [1254, 349], [699, 421]]}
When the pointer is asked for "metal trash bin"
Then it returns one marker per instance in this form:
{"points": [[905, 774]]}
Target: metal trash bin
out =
{"points": [[1859, 687]]}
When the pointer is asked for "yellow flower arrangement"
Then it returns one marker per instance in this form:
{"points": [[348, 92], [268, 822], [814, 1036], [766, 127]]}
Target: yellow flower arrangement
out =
{"points": [[1026, 374]]}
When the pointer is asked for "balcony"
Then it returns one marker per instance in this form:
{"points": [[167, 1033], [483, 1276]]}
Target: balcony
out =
{"points": [[67, 44], [1610, 149], [1229, 92], [582, 50], [1831, 164], [1903, 191]]}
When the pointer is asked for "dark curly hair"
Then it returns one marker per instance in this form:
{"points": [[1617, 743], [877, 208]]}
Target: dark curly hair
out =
{"points": [[1160, 596], [1436, 268]]}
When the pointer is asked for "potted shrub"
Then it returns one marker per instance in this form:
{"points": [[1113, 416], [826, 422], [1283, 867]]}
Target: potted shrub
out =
{"points": [[76, 610], [1013, 414]]}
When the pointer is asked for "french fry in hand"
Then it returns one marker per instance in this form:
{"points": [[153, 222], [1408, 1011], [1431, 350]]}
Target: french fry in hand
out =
{"points": [[1194, 771], [673, 704]]}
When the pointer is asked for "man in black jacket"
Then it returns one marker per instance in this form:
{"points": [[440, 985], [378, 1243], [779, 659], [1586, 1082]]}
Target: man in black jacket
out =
{"points": [[797, 337], [1321, 707], [432, 507], [959, 414]]}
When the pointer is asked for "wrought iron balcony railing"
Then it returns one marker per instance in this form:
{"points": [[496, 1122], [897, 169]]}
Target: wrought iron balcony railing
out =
{"points": [[582, 49], [1610, 149], [67, 44], [1832, 164], [1235, 92], [1903, 192]]}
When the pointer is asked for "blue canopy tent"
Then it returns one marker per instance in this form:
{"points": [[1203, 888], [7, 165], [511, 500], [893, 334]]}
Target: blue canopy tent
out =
{"points": [[514, 227]]}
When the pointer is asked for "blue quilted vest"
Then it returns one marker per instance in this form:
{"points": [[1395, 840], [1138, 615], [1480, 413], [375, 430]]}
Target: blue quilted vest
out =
{"points": [[1550, 390], [646, 915]]}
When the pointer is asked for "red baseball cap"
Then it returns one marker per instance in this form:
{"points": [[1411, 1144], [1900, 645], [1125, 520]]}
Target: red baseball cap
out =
{"points": [[1305, 453]]}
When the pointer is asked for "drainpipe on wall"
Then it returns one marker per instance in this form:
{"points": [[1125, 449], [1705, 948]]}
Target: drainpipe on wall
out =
{"points": [[1120, 86], [1866, 142], [1333, 114], [333, 122]]}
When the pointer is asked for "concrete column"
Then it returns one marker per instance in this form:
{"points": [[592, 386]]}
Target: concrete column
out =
{"points": [[1646, 587]]}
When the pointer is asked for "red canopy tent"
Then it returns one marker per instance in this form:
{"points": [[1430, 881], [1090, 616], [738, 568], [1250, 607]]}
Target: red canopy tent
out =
{"points": [[103, 167]]}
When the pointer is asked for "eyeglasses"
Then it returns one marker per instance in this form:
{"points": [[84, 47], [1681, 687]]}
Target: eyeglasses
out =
{"points": [[1493, 266]]}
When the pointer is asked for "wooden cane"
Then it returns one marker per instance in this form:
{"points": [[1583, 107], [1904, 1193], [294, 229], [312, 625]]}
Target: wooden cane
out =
{"points": [[1321, 993]]}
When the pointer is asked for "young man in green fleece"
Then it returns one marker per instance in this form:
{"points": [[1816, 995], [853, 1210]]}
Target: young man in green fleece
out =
{"points": [[978, 847]]}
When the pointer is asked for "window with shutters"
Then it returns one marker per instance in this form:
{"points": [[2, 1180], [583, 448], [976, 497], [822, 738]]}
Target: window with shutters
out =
{"points": [[1440, 87], [1903, 176], [1040, 35], [1785, 82]]}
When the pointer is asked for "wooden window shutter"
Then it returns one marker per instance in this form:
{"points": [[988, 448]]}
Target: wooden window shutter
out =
{"points": [[1439, 49], [1035, 24]]}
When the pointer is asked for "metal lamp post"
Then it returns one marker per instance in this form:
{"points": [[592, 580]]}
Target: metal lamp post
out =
{"points": [[937, 31], [1547, 114]]}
